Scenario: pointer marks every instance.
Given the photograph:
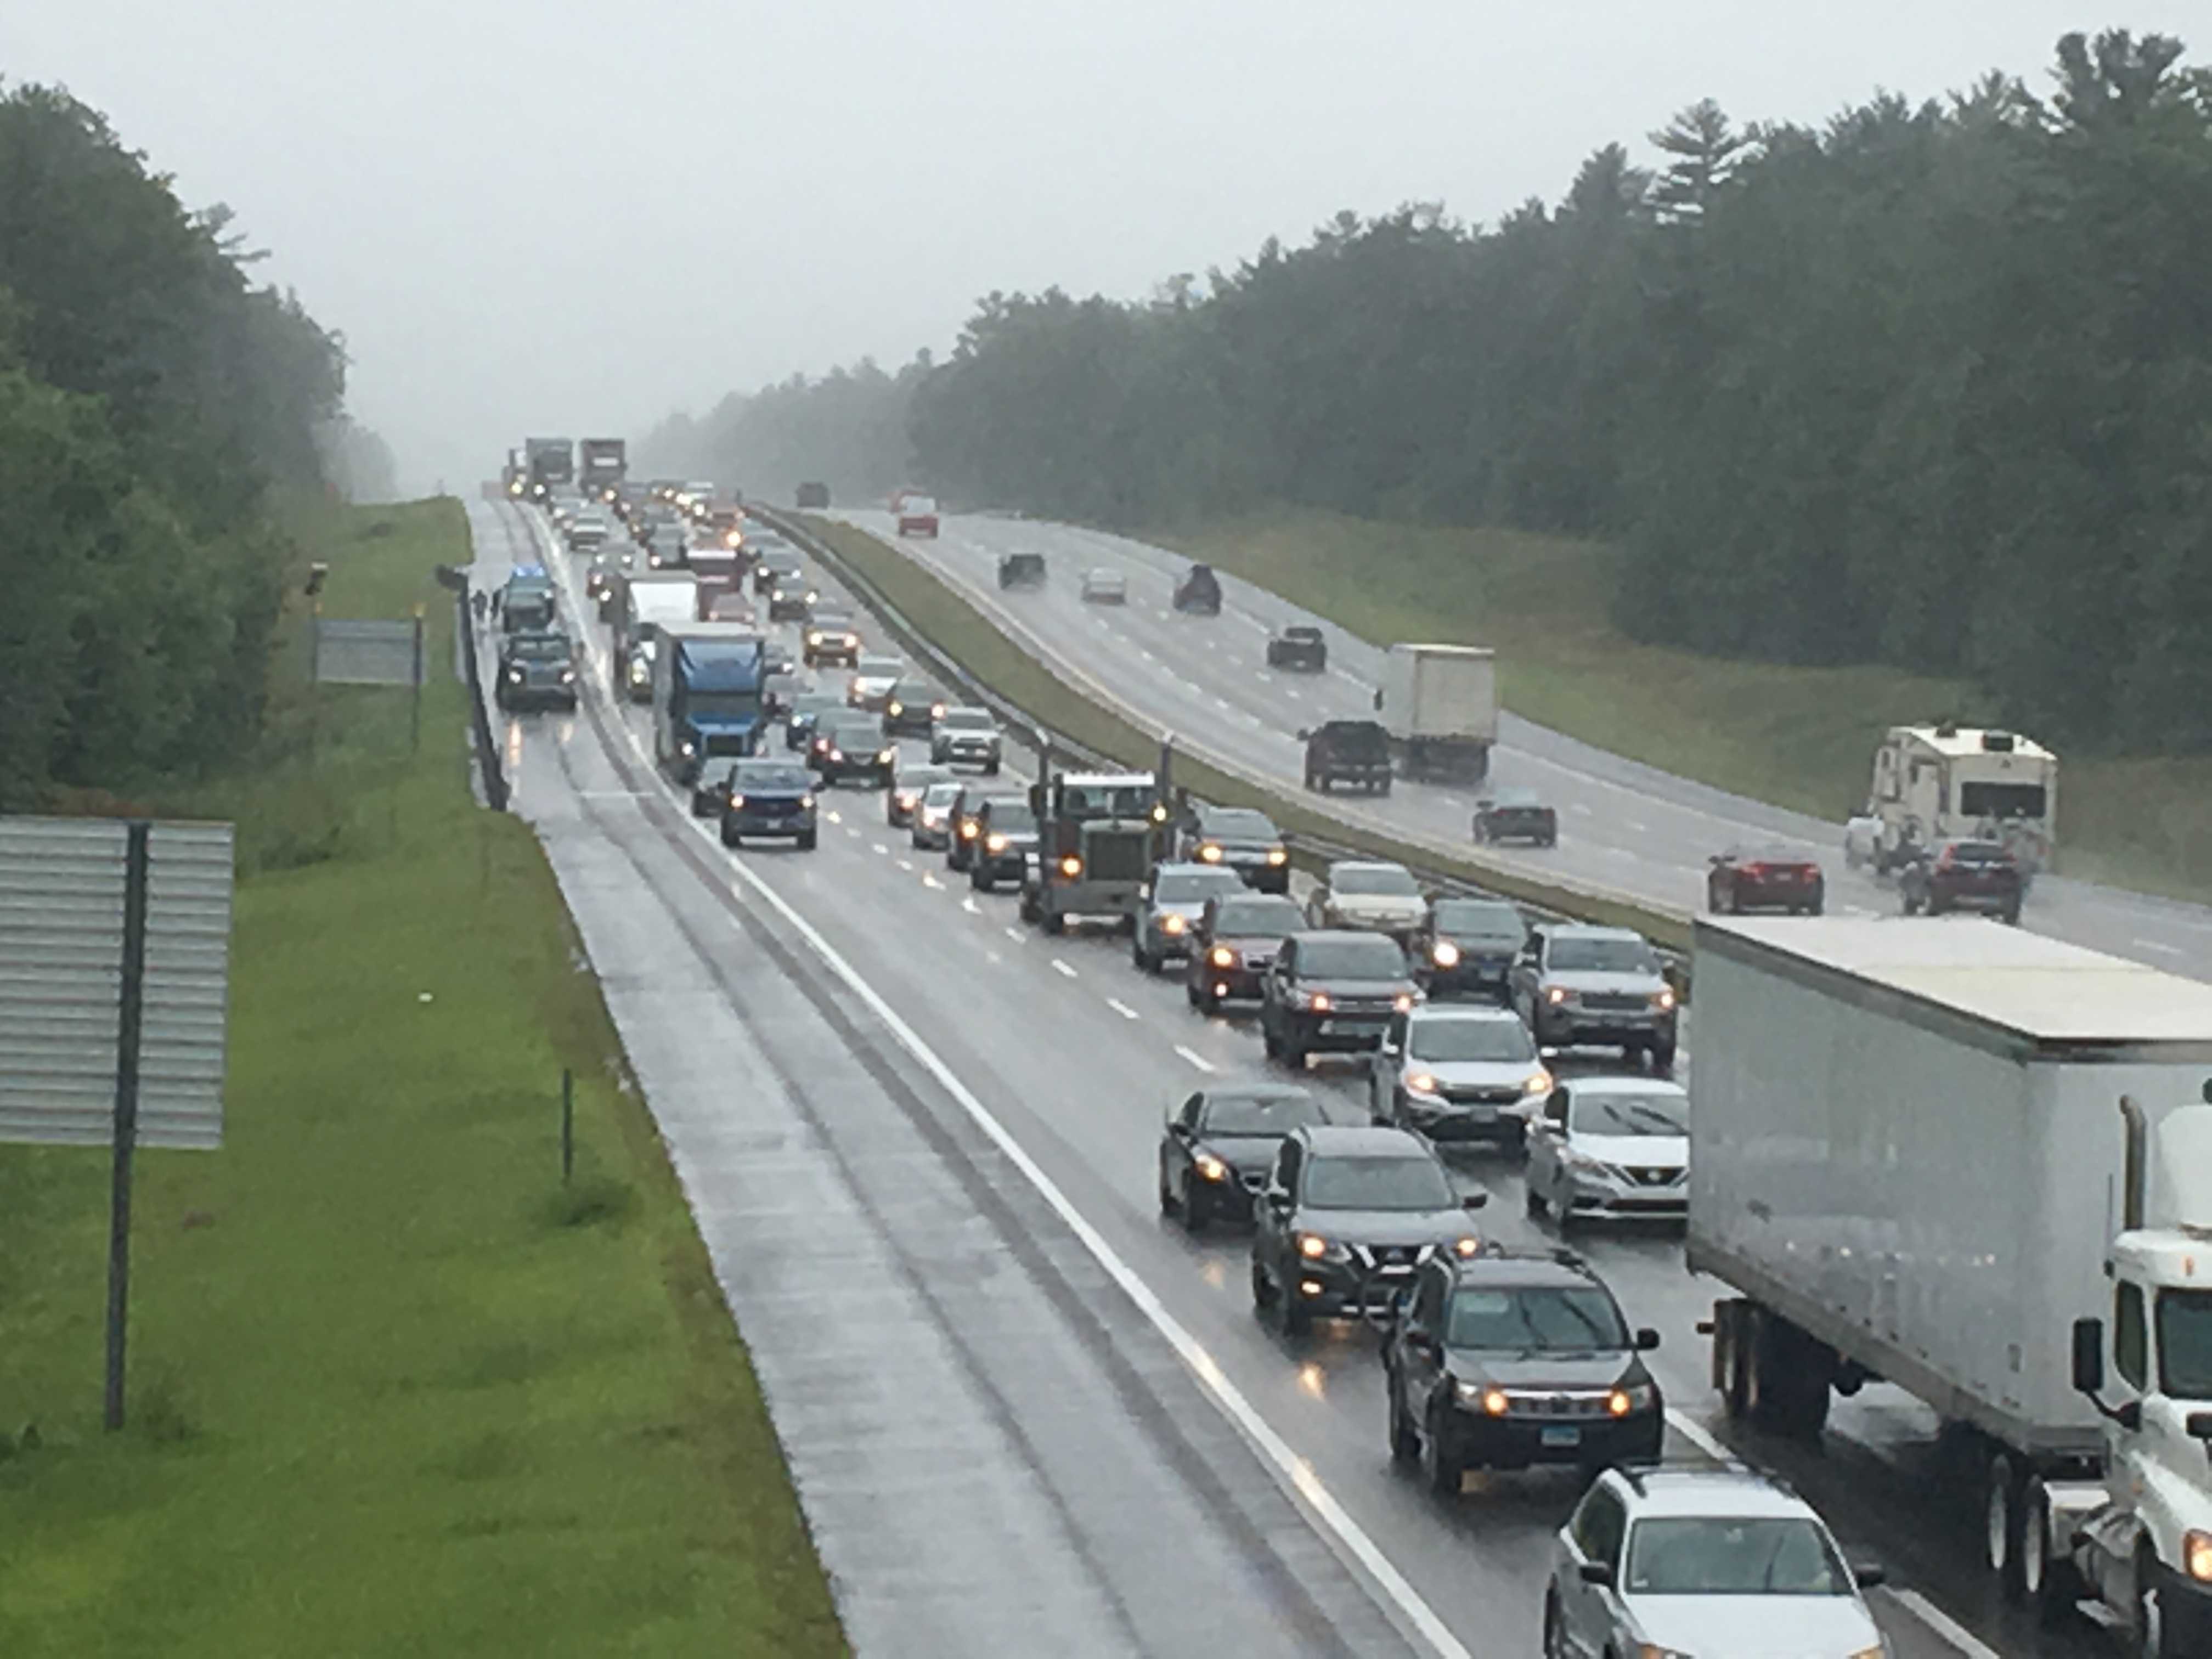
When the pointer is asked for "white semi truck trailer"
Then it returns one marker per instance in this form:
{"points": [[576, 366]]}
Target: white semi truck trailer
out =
{"points": [[1976, 1164]]}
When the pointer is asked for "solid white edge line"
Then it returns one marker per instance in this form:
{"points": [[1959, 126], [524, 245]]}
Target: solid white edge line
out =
{"points": [[1700, 1437], [1295, 1473]]}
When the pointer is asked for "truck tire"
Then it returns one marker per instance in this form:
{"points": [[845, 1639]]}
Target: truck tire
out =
{"points": [[2001, 1522], [2046, 1576], [983, 880], [1052, 921]]}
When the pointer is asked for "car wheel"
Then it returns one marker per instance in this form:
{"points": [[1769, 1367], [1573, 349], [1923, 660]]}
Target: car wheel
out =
{"points": [[1294, 1052], [1192, 1212], [806, 840], [1662, 1058], [1534, 1201], [1053, 922], [1192, 995], [1441, 1466], [991, 770], [983, 880], [1143, 962], [1291, 1317], [730, 837], [1555, 1628], [1263, 1291], [1268, 1039], [1167, 1205]]}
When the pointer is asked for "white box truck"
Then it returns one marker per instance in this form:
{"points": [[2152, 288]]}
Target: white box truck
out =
{"points": [[1439, 704], [1922, 1153], [648, 601]]}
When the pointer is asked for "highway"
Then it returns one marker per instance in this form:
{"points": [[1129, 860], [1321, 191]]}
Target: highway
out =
{"points": [[1622, 826], [969, 1113]]}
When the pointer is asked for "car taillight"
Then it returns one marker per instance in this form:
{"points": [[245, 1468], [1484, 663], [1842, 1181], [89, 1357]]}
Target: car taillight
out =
{"points": [[1756, 871]]}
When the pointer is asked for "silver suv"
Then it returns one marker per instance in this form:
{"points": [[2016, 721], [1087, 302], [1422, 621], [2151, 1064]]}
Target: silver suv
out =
{"points": [[1576, 984], [1169, 908], [1703, 1561]]}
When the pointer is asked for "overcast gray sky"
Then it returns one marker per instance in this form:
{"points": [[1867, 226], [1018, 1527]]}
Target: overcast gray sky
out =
{"points": [[556, 216]]}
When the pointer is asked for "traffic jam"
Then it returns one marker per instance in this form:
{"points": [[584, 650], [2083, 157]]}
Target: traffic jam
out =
{"points": [[2019, 1268]]}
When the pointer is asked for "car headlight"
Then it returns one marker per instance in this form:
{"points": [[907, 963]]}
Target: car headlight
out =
{"points": [[1172, 923], [1277, 855], [966, 828], [895, 709], [1319, 1002], [1210, 853], [1663, 1000], [1071, 866], [1421, 1082], [2197, 1555], [1639, 1397], [836, 754], [1466, 1245], [886, 755], [1314, 1248], [1210, 1167], [1403, 1002], [807, 803], [1446, 954], [687, 748], [1538, 1082], [814, 638], [568, 676], [936, 711], [1223, 957], [514, 673], [994, 842], [737, 801], [1555, 995], [1491, 1402], [931, 819]]}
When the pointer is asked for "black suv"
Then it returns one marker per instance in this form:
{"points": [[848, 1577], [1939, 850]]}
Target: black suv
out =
{"points": [[1199, 592], [1005, 839], [1332, 992], [1466, 947], [852, 746], [1345, 1218], [1219, 1144], [1510, 1359], [1233, 943], [1301, 646], [1357, 752], [1021, 570], [1963, 875]]}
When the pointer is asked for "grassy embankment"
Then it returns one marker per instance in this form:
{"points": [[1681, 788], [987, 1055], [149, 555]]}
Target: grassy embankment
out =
{"points": [[948, 621], [395, 1390], [1801, 737]]}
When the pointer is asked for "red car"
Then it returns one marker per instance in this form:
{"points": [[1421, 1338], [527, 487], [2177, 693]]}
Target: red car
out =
{"points": [[1764, 879], [916, 514]]}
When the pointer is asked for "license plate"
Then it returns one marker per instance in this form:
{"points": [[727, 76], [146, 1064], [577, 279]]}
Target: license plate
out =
{"points": [[1555, 1436], [1350, 1027]]}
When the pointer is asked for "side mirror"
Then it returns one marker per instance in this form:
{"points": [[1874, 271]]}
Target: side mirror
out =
{"points": [[2089, 1356], [2129, 1416], [2198, 1425], [1646, 1338], [1871, 1575], [1599, 1573], [1304, 735], [1474, 1200]]}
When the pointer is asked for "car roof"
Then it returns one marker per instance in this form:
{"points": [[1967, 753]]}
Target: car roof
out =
{"points": [[1363, 1140], [1517, 796], [1525, 1268], [1309, 935], [1731, 1492], [1623, 1086], [1472, 1013], [1189, 867], [1304, 630], [1368, 864], [1587, 930]]}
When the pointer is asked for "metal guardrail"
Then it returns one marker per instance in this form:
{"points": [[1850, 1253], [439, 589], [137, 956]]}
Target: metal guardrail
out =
{"points": [[490, 766], [1309, 851]]}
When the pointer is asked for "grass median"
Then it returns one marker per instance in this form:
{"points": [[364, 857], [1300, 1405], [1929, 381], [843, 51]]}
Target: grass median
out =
{"points": [[950, 621], [1801, 737], [395, 1388]]}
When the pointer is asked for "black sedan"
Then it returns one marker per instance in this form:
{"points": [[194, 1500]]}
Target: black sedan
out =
{"points": [[1764, 878], [1219, 1144], [1515, 814], [805, 712], [1300, 647], [913, 708], [1964, 875]]}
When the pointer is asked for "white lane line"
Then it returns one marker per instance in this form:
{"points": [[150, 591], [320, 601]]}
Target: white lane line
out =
{"points": [[835, 818], [906, 865], [1700, 1437], [1122, 1008], [851, 831], [1941, 1623], [928, 880], [2153, 945], [885, 850], [1294, 694], [1859, 910], [1580, 809], [1060, 967], [1016, 934], [1640, 828], [1198, 1061]]}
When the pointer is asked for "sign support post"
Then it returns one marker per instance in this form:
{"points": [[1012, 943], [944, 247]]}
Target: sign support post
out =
{"points": [[129, 1020]]}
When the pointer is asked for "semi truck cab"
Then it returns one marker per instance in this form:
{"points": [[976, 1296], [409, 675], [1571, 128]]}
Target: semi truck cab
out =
{"points": [[1095, 840], [2138, 1544]]}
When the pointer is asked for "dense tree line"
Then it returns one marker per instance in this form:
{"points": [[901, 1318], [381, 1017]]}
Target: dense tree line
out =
{"points": [[1929, 385], [847, 429], [154, 403]]}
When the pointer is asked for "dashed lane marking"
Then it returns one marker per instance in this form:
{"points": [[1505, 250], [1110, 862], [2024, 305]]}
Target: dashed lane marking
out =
{"points": [[1122, 1008], [1061, 967], [1197, 1059]]}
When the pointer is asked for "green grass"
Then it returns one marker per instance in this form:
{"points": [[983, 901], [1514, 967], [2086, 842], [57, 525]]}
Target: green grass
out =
{"points": [[394, 1389], [1802, 738], [948, 621]]}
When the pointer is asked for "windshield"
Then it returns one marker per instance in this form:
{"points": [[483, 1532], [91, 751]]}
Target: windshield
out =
{"points": [[1479, 919], [541, 650], [1602, 956], [2001, 800], [1013, 816], [1449, 1039], [1536, 1319], [1240, 826], [1387, 880], [1655, 1114], [853, 734], [1195, 886], [913, 692], [1377, 1183], [770, 775], [2184, 1343], [942, 795], [1261, 1115], [831, 621], [1274, 917], [966, 719], [1098, 800], [721, 705], [815, 702], [1725, 1555], [1368, 956]]}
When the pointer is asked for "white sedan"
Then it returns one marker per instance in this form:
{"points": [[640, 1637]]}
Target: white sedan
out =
{"points": [[1611, 1146], [1104, 586]]}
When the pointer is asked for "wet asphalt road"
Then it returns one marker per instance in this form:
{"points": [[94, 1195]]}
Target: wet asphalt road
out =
{"points": [[1622, 826], [1061, 1470]]}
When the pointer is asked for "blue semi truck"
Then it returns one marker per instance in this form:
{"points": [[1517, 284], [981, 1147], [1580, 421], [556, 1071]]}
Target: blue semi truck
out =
{"points": [[708, 679]]}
